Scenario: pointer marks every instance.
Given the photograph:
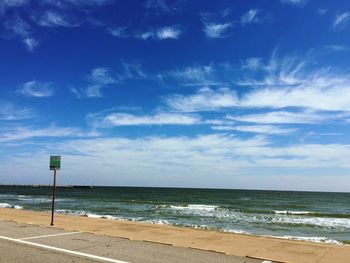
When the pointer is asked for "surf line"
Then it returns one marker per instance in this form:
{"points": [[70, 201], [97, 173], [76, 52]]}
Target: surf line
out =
{"points": [[62, 250]]}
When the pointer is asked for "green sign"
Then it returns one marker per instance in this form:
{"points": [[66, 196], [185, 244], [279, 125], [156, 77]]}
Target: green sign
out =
{"points": [[55, 162]]}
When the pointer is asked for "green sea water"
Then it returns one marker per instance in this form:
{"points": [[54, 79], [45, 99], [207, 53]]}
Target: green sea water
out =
{"points": [[312, 216]]}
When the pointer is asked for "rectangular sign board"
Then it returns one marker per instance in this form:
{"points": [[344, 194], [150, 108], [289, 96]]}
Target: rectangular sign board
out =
{"points": [[55, 162]]}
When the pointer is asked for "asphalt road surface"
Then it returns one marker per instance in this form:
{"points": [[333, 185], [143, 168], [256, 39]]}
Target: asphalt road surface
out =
{"points": [[29, 243]]}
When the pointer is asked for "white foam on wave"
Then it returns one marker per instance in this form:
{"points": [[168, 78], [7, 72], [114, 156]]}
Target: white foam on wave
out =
{"points": [[192, 207], [35, 200], [86, 214], [286, 212], [6, 205], [196, 207], [157, 222], [310, 239], [235, 231], [280, 217]]}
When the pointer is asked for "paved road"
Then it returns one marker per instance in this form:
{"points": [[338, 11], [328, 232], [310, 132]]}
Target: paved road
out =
{"points": [[46, 244]]}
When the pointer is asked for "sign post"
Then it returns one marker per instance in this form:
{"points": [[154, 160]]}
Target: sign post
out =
{"points": [[55, 164]]}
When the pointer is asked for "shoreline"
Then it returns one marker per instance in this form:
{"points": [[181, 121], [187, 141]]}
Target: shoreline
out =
{"points": [[270, 248], [312, 239]]}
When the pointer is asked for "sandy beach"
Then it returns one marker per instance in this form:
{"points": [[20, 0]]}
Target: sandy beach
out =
{"points": [[275, 249]]}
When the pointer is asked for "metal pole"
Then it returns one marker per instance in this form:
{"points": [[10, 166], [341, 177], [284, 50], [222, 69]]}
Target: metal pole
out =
{"points": [[53, 196]]}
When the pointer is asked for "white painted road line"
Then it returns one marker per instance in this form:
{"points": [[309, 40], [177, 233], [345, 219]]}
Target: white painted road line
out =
{"points": [[53, 235], [62, 250]]}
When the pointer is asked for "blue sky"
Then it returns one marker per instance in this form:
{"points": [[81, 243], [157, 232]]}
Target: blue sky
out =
{"points": [[227, 94]]}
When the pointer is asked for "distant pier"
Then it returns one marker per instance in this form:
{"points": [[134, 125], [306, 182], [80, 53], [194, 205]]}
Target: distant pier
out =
{"points": [[43, 186]]}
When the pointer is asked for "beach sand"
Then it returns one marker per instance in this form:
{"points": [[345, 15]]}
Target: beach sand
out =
{"points": [[274, 249]]}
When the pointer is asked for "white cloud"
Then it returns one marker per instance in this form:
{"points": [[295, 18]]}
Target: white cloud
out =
{"points": [[250, 17], [131, 70], [325, 94], [119, 32], [322, 11], [205, 99], [98, 79], [160, 5], [168, 32], [31, 43], [252, 64], [23, 133], [127, 119], [216, 30], [146, 35], [202, 161], [260, 129], [193, 76], [293, 82], [341, 20], [294, 2], [281, 117], [18, 27], [7, 4], [92, 91], [47, 13], [102, 76], [55, 19], [37, 89], [277, 84], [10, 112]]}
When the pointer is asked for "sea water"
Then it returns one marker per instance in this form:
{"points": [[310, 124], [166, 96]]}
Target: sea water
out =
{"points": [[311, 216]]}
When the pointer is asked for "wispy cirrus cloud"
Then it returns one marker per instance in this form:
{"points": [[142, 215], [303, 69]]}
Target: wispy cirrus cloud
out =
{"points": [[205, 75], [24, 23], [25, 133], [258, 129], [251, 17], [118, 31], [103, 77], [98, 79], [55, 19], [7, 4], [19, 28], [10, 112], [131, 70], [295, 2], [320, 92], [37, 89], [277, 83], [322, 11], [341, 20], [167, 32], [287, 117], [252, 64], [205, 99], [217, 24], [216, 30], [160, 6], [128, 119]]}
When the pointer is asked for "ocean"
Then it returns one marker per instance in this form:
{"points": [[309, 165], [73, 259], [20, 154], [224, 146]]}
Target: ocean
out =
{"points": [[310, 216]]}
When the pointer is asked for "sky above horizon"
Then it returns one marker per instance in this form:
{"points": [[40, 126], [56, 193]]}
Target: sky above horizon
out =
{"points": [[218, 94]]}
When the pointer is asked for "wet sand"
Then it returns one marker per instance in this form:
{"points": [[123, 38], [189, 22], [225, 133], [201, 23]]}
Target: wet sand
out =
{"points": [[274, 249]]}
